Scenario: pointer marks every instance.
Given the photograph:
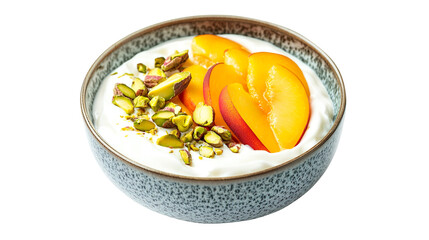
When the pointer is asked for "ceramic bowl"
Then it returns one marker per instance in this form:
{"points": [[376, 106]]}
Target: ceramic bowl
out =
{"points": [[215, 200]]}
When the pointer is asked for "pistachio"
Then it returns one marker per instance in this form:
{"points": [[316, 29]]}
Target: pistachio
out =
{"points": [[234, 146], [186, 156], [203, 115], [176, 133], [124, 103], [139, 87], [159, 61], [170, 141], [183, 122], [123, 90], [174, 106], [193, 146], [163, 119], [171, 87], [187, 137], [154, 77], [141, 68], [206, 151], [218, 151], [175, 61], [140, 102], [144, 125], [157, 103], [224, 133], [199, 132], [213, 139]]}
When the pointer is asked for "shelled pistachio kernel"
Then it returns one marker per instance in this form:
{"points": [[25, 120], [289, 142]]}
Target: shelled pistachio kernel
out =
{"points": [[154, 77], [141, 68], [199, 132], [234, 147], [193, 146], [175, 61], [224, 133], [176, 108], [163, 119], [144, 125], [203, 115], [139, 87], [213, 139], [173, 86], [187, 137], [218, 151], [157, 103], [176, 133], [125, 103], [183, 122], [206, 151], [123, 90], [159, 61], [170, 141], [186, 156], [140, 102]]}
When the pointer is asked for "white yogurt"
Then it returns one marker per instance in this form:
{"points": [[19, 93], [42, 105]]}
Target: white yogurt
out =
{"points": [[140, 149]]}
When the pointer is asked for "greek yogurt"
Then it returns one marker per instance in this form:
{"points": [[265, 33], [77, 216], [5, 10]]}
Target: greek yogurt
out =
{"points": [[141, 149]]}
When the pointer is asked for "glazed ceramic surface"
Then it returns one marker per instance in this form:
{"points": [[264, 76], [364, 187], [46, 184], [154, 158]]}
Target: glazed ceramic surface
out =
{"points": [[215, 200]]}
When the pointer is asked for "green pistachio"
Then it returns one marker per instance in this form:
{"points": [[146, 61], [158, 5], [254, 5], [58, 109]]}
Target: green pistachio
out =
{"points": [[175, 61], [171, 87], [163, 119], [203, 115], [125, 103], [213, 139], [157, 103], [199, 132], [224, 133], [183, 122], [143, 125], [140, 102], [159, 61], [139, 87], [186, 156], [206, 151], [123, 90], [170, 141], [141, 68], [187, 137]]}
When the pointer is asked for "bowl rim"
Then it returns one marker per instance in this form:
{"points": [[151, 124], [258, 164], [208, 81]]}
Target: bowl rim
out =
{"points": [[225, 18]]}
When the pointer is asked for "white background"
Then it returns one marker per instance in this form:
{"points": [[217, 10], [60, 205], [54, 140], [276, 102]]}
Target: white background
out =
{"points": [[375, 188]]}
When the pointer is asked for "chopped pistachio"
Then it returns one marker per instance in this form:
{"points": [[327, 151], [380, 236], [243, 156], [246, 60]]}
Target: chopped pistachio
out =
{"points": [[157, 103], [171, 87], [144, 125], [174, 106], [206, 151], [139, 87], [163, 119], [213, 139], [183, 122], [187, 137], [234, 146], [159, 61], [141, 68], [186, 156], [124, 103], [224, 133], [203, 115], [170, 141], [176, 133], [154, 77], [175, 61], [218, 151], [123, 90], [199, 132], [140, 102]]}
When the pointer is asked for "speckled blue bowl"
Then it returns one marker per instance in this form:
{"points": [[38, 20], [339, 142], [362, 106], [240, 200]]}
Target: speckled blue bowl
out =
{"points": [[215, 200]]}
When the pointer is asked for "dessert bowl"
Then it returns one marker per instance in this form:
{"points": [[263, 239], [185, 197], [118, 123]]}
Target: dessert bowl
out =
{"points": [[215, 199]]}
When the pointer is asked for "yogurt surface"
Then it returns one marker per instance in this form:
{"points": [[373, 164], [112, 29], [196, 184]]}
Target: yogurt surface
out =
{"points": [[110, 122]]}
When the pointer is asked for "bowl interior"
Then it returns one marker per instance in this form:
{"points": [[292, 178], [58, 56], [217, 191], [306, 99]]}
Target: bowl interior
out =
{"points": [[149, 37]]}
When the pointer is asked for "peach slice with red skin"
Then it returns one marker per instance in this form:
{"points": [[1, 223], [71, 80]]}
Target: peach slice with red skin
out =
{"points": [[193, 94], [216, 78], [244, 117], [289, 106], [257, 73], [209, 49]]}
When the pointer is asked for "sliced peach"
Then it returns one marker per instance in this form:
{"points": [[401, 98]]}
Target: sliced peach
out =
{"points": [[193, 94], [289, 106], [208, 49], [246, 119], [237, 58], [216, 78], [257, 73]]}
